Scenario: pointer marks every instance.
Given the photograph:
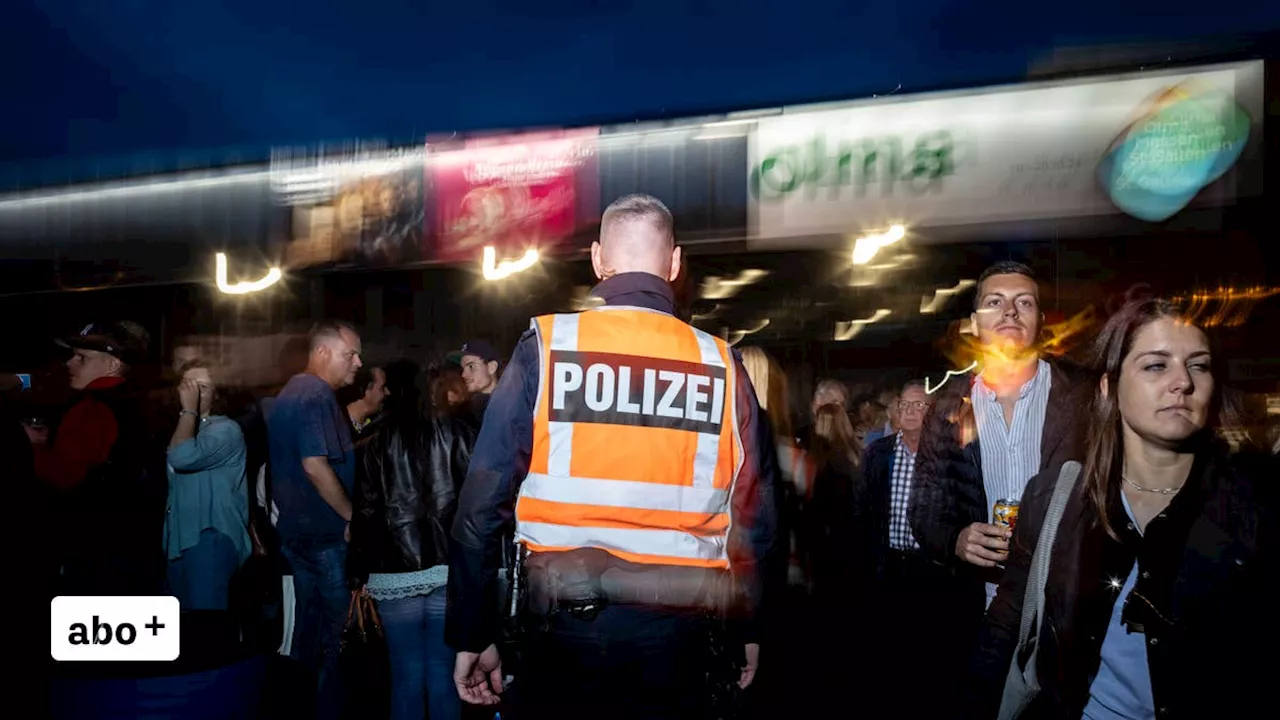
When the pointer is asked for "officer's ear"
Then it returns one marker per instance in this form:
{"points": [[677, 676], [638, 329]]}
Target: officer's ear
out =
{"points": [[597, 261], [675, 264]]}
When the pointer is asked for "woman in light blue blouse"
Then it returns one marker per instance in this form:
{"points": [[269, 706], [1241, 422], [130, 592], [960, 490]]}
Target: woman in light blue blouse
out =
{"points": [[206, 534]]}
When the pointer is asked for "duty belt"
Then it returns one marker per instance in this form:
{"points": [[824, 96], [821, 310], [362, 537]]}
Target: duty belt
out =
{"points": [[582, 582]]}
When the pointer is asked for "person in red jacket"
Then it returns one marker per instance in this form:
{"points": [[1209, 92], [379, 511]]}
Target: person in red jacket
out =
{"points": [[96, 464]]}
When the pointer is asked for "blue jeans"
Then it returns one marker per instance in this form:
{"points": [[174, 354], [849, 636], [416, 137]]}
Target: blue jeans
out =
{"points": [[421, 664], [201, 576], [322, 597]]}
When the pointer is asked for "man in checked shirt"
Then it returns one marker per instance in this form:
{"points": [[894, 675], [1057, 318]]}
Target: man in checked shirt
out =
{"points": [[905, 590]]}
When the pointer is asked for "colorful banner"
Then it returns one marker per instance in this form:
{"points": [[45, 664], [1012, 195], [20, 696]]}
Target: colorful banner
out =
{"points": [[362, 209], [1147, 145], [513, 193]]}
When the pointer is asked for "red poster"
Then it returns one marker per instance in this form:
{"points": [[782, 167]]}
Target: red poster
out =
{"points": [[513, 193]]}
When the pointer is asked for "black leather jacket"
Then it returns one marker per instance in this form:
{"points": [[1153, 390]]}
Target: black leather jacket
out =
{"points": [[408, 476]]}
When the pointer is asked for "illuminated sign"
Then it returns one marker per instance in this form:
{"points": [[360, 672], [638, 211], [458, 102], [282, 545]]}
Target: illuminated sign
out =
{"points": [[1019, 153], [1187, 138], [515, 193]]}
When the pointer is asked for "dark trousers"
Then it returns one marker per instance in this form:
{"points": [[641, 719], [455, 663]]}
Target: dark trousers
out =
{"points": [[921, 632], [626, 662], [322, 598]]}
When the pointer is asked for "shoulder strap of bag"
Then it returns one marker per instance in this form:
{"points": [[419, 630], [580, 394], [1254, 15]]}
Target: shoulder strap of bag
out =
{"points": [[1033, 605], [1021, 685]]}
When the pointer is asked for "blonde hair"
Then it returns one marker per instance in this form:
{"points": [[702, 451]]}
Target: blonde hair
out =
{"points": [[832, 391], [834, 434], [770, 384]]}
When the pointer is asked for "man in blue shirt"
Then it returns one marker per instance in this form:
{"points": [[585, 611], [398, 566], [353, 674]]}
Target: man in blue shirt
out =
{"points": [[313, 472]]}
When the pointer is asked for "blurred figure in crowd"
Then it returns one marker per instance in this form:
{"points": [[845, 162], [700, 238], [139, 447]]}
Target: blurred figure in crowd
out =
{"points": [[479, 362], [207, 524], [364, 399], [828, 392], [104, 469], [887, 404], [312, 458], [407, 485], [450, 397], [790, 630], [1162, 583], [902, 589], [828, 519]]}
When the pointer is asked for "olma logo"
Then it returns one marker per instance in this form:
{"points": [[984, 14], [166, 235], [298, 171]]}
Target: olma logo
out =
{"points": [[1187, 138]]}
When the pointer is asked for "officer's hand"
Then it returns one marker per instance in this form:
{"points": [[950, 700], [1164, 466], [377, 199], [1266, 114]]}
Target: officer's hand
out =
{"points": [[478, 677], [749, 670]]}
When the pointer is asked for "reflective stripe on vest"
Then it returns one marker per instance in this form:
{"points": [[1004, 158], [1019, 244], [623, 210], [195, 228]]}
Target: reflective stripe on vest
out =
{"points": [[634, 454]]}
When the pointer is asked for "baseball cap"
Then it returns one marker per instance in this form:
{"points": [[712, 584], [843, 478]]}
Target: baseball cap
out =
{"points": [[478, 348], [124, 340]]}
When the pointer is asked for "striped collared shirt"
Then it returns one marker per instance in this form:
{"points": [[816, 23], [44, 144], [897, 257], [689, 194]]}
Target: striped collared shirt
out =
{"points": [[1010, 452]]}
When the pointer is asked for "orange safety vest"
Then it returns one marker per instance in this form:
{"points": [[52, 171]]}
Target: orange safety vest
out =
{"points": [[636, 445]]}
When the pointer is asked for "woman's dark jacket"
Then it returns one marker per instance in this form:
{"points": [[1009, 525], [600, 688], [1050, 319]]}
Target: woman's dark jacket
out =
{"points": [[1207, 596], [408, 476]]}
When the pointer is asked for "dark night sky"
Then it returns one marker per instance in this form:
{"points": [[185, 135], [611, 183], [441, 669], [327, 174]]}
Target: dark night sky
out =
{"points": [[107, 78]]}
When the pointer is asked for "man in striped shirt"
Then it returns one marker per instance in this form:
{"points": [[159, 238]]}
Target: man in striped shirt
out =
{"points": [[988, 434]]}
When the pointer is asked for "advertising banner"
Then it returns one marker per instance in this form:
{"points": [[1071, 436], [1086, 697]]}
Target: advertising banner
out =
{"points": [[364, 208], [513, 193], [1146, 145]]}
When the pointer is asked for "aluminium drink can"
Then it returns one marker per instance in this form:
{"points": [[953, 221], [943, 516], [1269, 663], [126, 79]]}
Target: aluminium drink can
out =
{"points": [[1005, 514]]}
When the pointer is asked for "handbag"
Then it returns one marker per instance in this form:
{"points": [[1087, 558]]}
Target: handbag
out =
{"points": [[1022, 684], [363, 659]]}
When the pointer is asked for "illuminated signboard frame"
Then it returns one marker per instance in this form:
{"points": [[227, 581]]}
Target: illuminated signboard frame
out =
{"points": [[1144, 144]]}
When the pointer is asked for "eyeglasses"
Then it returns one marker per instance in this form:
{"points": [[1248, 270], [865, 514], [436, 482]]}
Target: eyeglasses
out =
{"points": [[919, 405]]}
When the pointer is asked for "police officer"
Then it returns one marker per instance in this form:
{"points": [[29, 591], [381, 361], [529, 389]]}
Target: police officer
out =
{"points": [[629, 448]]}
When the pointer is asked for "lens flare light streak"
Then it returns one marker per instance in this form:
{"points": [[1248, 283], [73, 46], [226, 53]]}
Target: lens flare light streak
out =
{"points": [[942, 295], [847, 330], [1224, 307], [719, 288], [929, 390], [866, 247], [736, 336], [967, 353], [494, 270], [244, 287]]}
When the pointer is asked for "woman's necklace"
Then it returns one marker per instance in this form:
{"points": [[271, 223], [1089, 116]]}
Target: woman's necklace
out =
{"points": [[1160, 491]]}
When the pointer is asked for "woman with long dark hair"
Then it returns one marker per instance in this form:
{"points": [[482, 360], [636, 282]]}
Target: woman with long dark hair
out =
{"points": [[1161, 594], [407, 481]]}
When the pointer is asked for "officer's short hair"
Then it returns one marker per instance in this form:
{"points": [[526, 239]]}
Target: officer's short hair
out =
{"points": [[638, 208]]}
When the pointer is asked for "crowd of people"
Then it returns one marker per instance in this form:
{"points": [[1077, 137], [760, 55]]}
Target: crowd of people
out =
{"points": [[627, 516]]}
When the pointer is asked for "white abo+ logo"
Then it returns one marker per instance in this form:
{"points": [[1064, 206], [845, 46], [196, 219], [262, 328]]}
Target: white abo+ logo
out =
{"points": [[114, 628]]}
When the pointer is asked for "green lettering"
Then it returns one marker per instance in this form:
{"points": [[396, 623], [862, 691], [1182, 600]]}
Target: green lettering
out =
{"points": [[855, 166]]}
